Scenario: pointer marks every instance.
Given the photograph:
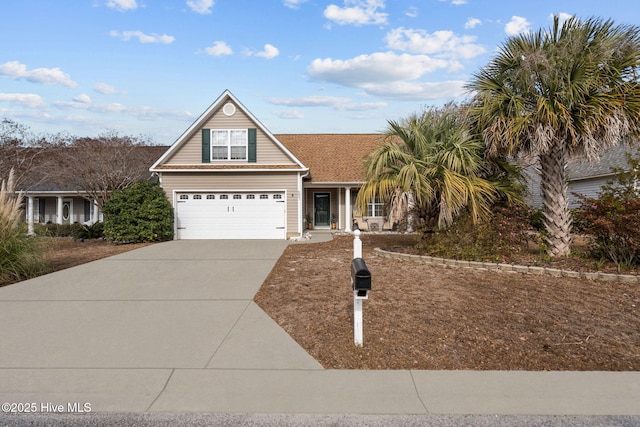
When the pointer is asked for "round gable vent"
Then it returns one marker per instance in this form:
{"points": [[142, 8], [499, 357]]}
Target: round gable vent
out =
{"points": [[229, 109]]}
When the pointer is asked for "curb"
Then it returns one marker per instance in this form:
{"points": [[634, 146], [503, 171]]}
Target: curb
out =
{"points": [[508, 268]]}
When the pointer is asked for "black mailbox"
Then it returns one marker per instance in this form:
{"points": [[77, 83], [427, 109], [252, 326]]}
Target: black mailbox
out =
{"points": [[360, 275]]}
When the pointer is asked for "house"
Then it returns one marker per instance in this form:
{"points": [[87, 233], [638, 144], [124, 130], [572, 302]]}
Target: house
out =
{"points": [[228, 177], [584, 177], [56, 184]]}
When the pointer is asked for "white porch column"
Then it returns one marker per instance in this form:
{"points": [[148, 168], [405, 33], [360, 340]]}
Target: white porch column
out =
{"points": [[59, 210], [30, 215], [95, 214], [347, 209], [339, 209]]}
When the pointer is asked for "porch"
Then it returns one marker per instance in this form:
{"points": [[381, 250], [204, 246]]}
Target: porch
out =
{"points": [[60, 208], [327, 207]]}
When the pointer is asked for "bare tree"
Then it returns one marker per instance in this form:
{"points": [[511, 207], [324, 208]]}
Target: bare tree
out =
{"points": [[95, 167], [18, 151]]}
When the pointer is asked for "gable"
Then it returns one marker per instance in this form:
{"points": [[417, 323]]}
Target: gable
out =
{"points": [[194, 149]]}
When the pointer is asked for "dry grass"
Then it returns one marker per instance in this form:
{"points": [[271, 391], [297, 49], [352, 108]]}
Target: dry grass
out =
{"points": [[427, 317]]}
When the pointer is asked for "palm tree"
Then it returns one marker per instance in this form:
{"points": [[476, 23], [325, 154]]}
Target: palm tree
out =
{"points": [[429, 163], [569, 91]]}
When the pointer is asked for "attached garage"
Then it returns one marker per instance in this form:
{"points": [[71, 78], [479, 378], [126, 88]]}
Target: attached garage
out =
{"points": [[228, 177], [230, 215]]}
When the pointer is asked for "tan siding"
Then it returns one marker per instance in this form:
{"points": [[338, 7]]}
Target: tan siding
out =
{"points": [[191, 151], [238, 182]]}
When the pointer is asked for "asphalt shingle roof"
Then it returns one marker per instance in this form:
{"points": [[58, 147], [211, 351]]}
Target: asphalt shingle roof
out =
{"points": [[332, 157], [613, 157]]}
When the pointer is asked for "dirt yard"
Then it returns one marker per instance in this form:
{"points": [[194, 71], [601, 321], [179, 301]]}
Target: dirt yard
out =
{"points": [[427, 317]]}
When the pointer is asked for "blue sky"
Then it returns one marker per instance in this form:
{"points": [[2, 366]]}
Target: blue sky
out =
{"points": [[151, 67]]}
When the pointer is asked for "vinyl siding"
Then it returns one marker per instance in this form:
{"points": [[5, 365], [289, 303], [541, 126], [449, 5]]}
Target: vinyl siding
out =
{"points": [[288, 182], [191, 151], [586, 187]]}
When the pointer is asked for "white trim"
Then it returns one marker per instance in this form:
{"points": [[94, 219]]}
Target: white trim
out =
{"points": [[220, 170], [200, 121], [229, 146]]}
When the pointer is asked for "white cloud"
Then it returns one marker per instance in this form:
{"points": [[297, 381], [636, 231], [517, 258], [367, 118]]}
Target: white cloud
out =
{"points": [[517, 25], [48, 76], [269, 52], [25, 99], [122, 5], [417, 91], [106, 89], [293, 4], [458, 2], [375, 68], [83, 98], [562, 16], [472, 23], [443, 43], [387, 75], [334, 102], [412, 12], [310, 101], [357, 12], [289, 114], [140, 112], [142, 37], [202, 7], [219, 48]]}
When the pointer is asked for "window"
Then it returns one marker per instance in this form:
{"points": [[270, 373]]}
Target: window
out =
{"points": [[264, 196], [224, 196], [211, 196], [230, 144], [251, 196], [197, 197], [87, 210], [184, 197], [277, 196], [375, 207], [237, 196]]}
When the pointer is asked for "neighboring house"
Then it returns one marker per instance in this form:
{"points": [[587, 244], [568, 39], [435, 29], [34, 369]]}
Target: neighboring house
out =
{"points": [[228, 177], [584, 177], [48, 198]]}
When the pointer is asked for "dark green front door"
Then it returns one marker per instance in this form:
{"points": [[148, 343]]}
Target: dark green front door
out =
{"points": [[322, 209]]}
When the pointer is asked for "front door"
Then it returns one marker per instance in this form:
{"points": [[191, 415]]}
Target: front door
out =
{"points": [[67, 207], [322, 208]]}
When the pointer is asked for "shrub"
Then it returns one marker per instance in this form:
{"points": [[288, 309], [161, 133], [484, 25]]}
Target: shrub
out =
{"points": [[506, 233], [615, 224], [20, 255], [91, 231], [614, 218], [139, 213]]}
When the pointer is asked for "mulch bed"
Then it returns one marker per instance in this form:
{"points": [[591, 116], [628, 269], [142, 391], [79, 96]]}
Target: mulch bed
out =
{"points": [[429, 317]]}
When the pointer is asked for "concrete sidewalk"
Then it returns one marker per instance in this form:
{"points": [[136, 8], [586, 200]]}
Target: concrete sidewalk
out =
{"points": [[172, 328]]}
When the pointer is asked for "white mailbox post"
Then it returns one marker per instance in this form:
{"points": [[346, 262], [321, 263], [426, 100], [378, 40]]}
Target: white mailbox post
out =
{"points": [[361, 284]]}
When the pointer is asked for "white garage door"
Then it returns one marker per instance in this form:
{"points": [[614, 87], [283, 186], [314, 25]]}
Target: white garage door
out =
{"points": [[218, 215]]}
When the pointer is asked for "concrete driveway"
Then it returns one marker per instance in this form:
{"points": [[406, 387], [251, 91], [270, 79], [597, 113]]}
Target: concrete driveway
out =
{"points": [[172, 328], [112, 332]]}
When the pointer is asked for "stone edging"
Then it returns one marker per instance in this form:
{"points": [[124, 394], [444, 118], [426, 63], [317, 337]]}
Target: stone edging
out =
{"points": [[508, 268]]}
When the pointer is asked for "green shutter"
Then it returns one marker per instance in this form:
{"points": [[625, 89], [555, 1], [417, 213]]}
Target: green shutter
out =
{"points": [[252, 146], [206, 146]]}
